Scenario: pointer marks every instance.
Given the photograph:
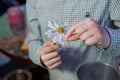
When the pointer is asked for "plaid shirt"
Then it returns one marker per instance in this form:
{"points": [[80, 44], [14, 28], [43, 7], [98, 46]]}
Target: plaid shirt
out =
{"points": [[73, 54]]}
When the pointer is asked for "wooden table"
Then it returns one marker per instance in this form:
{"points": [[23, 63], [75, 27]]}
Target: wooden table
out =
{"points": [[11, 47]]}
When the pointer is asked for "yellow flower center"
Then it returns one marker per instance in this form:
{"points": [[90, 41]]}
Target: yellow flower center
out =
{"points": [[60, 30]]}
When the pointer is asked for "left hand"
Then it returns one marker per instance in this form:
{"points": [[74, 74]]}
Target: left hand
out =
{"points": [[90, 32]]}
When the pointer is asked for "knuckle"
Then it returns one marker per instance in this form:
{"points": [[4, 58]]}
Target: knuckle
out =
{"points": [[91, 22], [44, 50], [49, 41], [41, 51], [60, 61], [55, 65], [77, 31], [59, 58], [47, 64], [82, 38], [51, 68], [50, 48], [56, 53], [55, 47], [99, 37], [43, 59]]}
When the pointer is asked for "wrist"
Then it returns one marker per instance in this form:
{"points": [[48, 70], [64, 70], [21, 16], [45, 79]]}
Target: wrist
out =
{"points": [[106, 39]]}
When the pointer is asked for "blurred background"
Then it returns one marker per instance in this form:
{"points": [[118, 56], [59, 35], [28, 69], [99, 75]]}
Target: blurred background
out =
{"points": [[14, 61]]}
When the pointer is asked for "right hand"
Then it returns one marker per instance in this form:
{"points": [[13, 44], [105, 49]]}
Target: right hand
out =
{"points": [[49, 55]]}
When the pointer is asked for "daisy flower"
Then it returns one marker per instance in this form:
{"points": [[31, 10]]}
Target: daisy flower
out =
{"points": [[56, 32]]}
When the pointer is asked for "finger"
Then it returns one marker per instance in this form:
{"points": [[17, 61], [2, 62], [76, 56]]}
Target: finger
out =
{"points": [[49, 56], [49, 49], [90, 21], [55, 65], [72, 29], [92, 41], [86, 35], [53, 61], [78, 32], [69, 33], [48, 43], [73, 37], [81, 29], [119, 67]]}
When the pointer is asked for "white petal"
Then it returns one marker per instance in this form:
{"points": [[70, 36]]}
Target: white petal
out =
{"points": [[50, 25], [62, 43], [49, 31], [49, 35], [56, 24], [60, 38], [55, 39], [63, 36], [52, 36]]}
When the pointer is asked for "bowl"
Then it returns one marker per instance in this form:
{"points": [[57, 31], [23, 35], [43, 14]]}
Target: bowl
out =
{"points": [[20, 74], [97, 71]]}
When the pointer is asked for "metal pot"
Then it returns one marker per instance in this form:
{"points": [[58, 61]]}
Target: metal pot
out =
{"points": [[97, 71]]}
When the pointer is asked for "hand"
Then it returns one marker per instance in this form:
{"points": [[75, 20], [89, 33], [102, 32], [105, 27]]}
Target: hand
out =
{"points": [[90, 32], [119, 67], [49, 55]]}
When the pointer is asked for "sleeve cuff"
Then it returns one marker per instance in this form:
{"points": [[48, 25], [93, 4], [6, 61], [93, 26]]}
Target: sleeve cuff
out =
{"points": [[34, 53], [114, 46]]}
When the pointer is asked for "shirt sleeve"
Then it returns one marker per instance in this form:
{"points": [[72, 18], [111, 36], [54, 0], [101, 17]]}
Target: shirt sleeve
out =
{"points": [[33, 33], [114, 48]]}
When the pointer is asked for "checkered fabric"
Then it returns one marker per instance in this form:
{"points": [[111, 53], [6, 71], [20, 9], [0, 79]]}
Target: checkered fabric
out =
{"points": [[73, 54]]}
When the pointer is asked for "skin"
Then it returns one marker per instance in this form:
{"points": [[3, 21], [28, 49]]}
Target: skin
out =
{"points": [[87, 30], [119, 68], [90, 32], [49, 55]]}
